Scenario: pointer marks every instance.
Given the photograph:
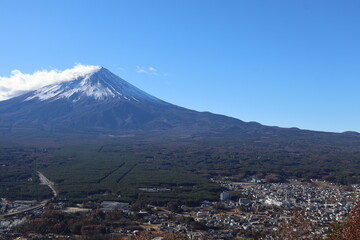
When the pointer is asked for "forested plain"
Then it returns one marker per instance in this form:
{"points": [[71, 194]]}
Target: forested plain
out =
{"points": [[178, 167]]}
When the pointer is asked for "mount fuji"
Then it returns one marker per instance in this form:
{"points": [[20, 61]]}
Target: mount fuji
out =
{"points": [[100, 101], [100, 107]]}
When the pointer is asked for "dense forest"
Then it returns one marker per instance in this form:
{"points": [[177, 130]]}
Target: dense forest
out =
{"points": [[176, 167]]}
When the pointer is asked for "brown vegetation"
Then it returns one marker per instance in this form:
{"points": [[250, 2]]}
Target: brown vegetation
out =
{"points": [[350, 230], [153, 235], [298, 227]]}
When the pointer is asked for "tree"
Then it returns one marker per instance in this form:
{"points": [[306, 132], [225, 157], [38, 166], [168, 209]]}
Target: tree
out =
{"points": [[174, 207], [151, 235], [298, 227], [350, 230]]}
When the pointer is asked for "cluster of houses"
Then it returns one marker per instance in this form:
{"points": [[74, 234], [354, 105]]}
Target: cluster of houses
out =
{"points": [[247, 210], [265, 206]]}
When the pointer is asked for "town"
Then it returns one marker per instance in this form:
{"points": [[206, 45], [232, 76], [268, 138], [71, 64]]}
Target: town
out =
{"points": [[245, 210]]}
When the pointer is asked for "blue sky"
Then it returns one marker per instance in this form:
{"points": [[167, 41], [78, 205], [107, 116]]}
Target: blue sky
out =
{"points": [[281, 63]]}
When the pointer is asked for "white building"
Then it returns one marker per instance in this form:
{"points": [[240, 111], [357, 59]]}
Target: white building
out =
{"points": [[225, 196]]}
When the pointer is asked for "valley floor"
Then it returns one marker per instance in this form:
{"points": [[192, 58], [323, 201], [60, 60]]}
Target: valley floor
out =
{"points": [[250, 211]]}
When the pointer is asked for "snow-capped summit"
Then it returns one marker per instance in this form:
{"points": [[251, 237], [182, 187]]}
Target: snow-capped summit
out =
{"points": [[98, 100], [99, 84]]}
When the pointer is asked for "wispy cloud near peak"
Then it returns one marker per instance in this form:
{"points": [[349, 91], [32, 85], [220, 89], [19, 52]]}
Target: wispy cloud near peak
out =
{"points": [[150, 71], [19, 83]]}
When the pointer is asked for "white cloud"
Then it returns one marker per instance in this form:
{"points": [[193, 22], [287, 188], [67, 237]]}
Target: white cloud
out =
{"points": [[150, 71], [19, 83], [140, 70]]}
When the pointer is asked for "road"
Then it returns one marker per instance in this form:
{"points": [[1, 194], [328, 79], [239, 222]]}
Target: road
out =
{"points": [[32, 208], [45, 181]]}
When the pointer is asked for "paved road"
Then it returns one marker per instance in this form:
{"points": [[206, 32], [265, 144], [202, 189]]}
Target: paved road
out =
{"points": [[44, 180], [38, 206]]}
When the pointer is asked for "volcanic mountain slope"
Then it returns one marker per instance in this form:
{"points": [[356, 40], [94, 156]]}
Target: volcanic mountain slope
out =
{"points": [[100, 108], [101, 101]]}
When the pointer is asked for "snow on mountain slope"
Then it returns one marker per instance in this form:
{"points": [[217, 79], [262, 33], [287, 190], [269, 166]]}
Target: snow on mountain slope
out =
{"points": [[102, 101], [99, 85]]}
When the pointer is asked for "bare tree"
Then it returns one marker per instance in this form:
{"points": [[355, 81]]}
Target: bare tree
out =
{"points": [[298, 227], [350, 230]]}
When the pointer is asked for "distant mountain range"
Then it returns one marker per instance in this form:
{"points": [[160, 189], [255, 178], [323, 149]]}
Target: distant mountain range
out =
{"points": [[103, 102]]}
